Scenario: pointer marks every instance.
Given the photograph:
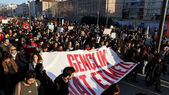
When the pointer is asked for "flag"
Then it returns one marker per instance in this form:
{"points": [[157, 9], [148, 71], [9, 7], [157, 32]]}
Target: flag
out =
{"points": [[25, 26], [2, 35], [167, 33], [16, 22], [67, 23], [0, 17]]}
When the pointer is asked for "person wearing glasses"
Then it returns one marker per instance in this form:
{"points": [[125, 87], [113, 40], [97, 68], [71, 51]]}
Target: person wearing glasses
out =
{"points": [[18, 57]]}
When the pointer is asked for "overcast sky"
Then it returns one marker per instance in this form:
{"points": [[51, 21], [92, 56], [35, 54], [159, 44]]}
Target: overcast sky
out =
{"points": [[13, 1]]}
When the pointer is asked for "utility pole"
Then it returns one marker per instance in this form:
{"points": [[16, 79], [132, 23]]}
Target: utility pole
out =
{"points": [[29, 15], [98, 12], [162, 22], [107, 12]]}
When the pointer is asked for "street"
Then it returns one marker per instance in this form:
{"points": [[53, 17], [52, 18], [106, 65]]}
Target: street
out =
{"points": [[128, 87]]}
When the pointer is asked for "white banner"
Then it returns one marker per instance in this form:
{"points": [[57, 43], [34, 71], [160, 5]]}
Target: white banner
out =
{"points": [[95, 71], [51, 27], [113, 35], [70, 27], [4, 21], [60, 29], [107, 31]]}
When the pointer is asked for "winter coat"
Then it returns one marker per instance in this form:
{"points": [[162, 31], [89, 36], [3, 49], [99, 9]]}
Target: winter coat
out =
{"points": [[157, 69], [13, 63], [61, 86]]}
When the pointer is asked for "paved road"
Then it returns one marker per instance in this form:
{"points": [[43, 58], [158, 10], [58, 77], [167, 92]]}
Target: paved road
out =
{"points": [[128, 87]]}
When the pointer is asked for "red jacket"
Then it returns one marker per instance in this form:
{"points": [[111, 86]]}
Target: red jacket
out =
{"points": [[30, 48]]}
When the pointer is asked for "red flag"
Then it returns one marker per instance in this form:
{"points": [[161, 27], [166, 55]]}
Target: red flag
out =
{"points": [[2, 35], [16, 22], [167, 33], [67, 23], [0, 17], [25, 26]]}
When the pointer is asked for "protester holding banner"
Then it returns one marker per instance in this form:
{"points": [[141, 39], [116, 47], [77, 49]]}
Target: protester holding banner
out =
{"points": [[47, 83], [34, 60], [69, 46], [61, 82]]}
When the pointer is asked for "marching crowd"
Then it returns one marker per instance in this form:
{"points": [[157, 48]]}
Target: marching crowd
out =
{"points": [[21, 64]]}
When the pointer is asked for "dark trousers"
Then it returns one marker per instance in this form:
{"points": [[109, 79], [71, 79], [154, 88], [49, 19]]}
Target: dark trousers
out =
{"points": [[134, 72], [157, 82], [9, 82]]}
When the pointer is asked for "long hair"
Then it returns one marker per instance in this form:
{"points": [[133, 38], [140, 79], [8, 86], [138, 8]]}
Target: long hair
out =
{"points": [[39, 58]]}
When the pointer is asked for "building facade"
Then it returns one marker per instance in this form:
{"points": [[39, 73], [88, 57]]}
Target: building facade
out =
{"points": [[80, 8], [133, 9], [8, 10], [46, 8], [11, 9], [24, 9], [153, 9], [70, 8]]}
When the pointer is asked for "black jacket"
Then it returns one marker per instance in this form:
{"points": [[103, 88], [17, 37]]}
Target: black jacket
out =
{"points": [[157, 69], [132, 55], [61, 86]]}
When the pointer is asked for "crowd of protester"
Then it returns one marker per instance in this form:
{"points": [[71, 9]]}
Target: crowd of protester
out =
{"points": [[20, 52]]}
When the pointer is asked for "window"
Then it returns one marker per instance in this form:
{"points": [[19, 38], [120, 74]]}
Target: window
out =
{"points": [[46, 4], [132, 4]]}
